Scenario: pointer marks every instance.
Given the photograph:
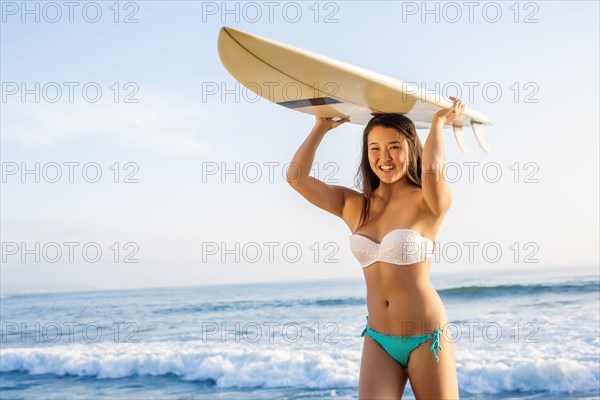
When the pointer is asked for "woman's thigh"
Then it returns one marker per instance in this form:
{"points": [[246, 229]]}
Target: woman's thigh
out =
{"points": [[429, 380], [381, 377]]}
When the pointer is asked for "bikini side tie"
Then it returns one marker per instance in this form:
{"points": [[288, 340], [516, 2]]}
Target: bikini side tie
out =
{"points": [[435, 344], [364, 330]]}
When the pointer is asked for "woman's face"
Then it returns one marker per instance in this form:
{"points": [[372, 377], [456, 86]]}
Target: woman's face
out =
{"points": [[387, 153]]}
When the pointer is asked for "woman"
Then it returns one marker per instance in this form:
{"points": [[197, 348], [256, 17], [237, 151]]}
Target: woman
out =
{"points": [[394, 223]]}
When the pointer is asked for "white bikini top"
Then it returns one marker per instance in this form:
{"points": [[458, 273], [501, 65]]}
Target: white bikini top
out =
{"points": [[400, 247]]}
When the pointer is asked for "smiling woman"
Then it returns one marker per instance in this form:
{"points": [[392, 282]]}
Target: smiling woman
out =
{"points": [[403, 141], [402, 205]]}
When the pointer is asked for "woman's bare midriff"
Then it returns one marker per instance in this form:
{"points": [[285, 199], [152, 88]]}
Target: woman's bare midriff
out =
{"points": [[401, 299]]}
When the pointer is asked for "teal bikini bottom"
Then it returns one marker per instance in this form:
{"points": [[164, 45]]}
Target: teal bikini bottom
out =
{"points": [[400, 347]]}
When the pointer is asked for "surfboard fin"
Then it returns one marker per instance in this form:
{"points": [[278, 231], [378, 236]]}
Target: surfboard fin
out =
{"points": [[459, 138], [478, 131]]}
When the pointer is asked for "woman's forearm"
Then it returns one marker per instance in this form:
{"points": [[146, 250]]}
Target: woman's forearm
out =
{"points": [[433, 151], [303, 159]]}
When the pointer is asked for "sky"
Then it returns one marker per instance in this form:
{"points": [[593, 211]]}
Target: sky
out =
{"points": [[131, 158]]}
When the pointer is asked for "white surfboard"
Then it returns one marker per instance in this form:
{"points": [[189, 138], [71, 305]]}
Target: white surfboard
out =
{"points": [[314, 84]]}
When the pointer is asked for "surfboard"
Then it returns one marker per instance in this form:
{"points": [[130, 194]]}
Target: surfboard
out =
{"points": [[314, 84]]}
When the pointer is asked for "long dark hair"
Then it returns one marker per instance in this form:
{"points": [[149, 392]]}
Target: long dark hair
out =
{"points": [[366, 178]]}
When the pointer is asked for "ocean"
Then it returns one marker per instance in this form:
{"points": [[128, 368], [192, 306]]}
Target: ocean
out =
{"points": [[531, 334]]}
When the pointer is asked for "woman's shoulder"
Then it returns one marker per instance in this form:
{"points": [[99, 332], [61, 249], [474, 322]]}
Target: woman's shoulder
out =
{"points": [[353, 197], [353, 203]]}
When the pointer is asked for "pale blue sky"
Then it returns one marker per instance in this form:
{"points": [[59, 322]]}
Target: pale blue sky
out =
{"points": [[171, 134]]}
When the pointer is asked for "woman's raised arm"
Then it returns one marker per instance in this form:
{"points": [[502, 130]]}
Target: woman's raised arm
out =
{"points": [[330, 198], [436, 191]]}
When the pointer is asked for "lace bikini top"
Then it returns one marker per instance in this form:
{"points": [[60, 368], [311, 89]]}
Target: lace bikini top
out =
{"points": [[400, 247]]}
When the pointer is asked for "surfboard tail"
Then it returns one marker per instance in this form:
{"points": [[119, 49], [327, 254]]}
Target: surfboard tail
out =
{"points": [[478, 131], [458, 135]]}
